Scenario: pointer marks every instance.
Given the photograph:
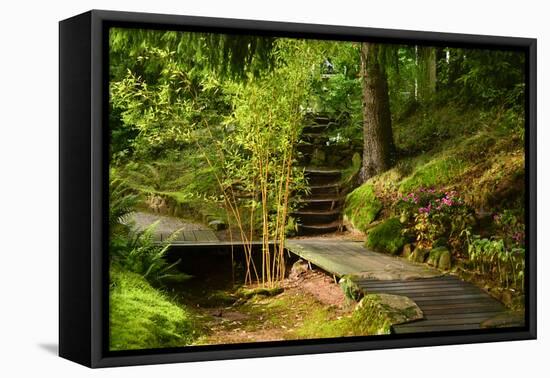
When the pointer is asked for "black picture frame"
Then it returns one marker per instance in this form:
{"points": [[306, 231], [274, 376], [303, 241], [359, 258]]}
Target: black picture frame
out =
{"points": [[83, 195]]}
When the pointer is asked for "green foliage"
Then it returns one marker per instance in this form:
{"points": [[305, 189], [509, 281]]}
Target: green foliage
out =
{"points": [[362, 207], [140, 254], [141, 317], [511, 227], [494, 260], [122, 201], [387, 236], [134, 250], [490, 77], [431, 125]]}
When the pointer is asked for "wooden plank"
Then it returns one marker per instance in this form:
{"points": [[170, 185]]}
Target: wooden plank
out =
{"points": [[486, 315], [441, 328], [442, 279], [411, 283], [423, 292], [205, 235], [456, 321], [454, 311], [419, 286], [463, 306], [450, 298], [189, 235]]}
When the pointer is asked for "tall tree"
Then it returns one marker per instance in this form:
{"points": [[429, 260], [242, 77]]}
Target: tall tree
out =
{"points": [[426, 71], [378, 144]]}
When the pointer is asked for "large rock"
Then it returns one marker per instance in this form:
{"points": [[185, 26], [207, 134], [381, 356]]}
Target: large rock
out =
{"points": [[440, 257], [407, 250], [298, 268], [433, 256], [419, 255], [445, 260], [386, 310], [350, 288]]}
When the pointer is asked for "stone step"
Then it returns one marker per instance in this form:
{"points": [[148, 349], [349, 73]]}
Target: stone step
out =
{"points": [[321, 203], [330, 189], [313, 217], [320, 228], [321, 176]]}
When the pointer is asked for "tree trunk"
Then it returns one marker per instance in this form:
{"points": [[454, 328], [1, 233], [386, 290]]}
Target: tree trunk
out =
{"points": [[377, 131], [426, 72]]}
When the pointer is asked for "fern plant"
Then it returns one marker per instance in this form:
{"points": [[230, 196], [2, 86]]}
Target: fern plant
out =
{"points": [[142, 255], [122, 201]]}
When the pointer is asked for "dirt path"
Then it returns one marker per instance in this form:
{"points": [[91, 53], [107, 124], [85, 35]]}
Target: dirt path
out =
{"points": [[311, 297]]}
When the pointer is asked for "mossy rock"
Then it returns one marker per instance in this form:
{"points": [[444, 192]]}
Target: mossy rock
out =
{"points": [[419, 255], [440, 257], [434, 254], [445, 260], [362, 207], [386, 237], [350, 288], [382, 311], [407, 250], [298, 268]]}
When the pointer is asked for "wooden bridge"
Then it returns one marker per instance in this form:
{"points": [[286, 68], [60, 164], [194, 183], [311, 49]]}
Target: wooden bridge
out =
{"points": [[447, 302]]}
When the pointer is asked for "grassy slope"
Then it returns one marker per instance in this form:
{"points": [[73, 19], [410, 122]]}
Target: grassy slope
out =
{"points": [[479, 154], [143, 317]]}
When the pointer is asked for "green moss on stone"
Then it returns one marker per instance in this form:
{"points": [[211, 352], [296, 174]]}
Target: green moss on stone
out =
{"points": [[362, 207], [386, 237]]}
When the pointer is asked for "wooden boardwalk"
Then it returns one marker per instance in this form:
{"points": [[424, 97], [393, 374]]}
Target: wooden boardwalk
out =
{"points": [[448, 303], [344, 257], [186, 232]]}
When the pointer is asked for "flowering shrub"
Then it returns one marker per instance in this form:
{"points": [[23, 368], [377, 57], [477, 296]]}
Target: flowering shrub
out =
{"points": [[433, 214]]}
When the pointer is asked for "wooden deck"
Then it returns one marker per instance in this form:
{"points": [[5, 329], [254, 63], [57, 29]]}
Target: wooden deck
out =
{"points": [[344, 257], [190, 237], [448, 303]]}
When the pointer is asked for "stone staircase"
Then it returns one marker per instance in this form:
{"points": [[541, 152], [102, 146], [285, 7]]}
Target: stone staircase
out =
{"points": [[321, 211]]}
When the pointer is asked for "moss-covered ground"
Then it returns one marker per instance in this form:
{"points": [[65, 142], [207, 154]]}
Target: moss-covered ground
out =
{"points": [[144, 317]]}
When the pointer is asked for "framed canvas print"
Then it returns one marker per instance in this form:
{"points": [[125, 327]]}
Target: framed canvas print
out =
{"points": [[233, 188]]}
